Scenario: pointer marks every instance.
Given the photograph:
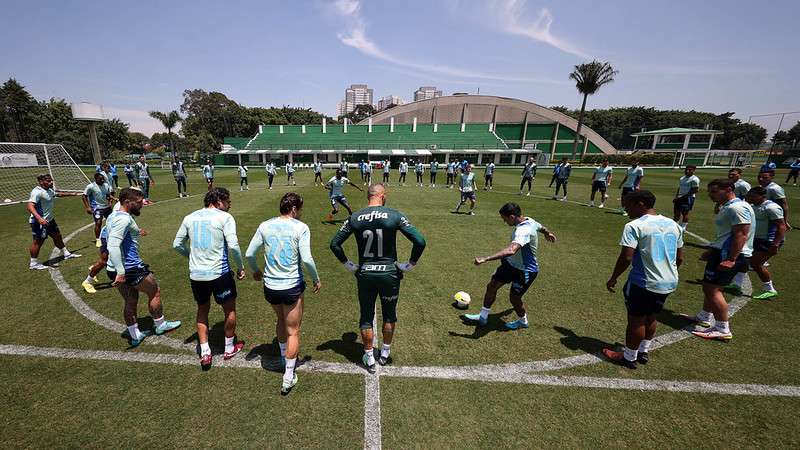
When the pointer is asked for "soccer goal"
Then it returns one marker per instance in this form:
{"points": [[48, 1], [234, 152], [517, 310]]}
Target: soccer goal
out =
{"points": [[20, 164]]}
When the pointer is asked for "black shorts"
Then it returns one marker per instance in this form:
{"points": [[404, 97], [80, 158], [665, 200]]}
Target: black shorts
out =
{"points": [[284, 296], [520, 280], [489, 177], [468, 196], [41, 232], [684, 204], [626, 191], [641, 302], [599, 186], [99, 214], [763, 245], [133, 276], [223, 289], [210, 180], [387, 286], [723, 277]]}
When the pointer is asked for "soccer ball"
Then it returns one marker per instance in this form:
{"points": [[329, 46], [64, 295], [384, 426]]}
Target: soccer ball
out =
{"points": [[462, 300]]}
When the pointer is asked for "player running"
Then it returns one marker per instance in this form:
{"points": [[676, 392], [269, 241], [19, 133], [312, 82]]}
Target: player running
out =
{"points": [[451, 174], [318, 173], [97, 201], [794, 171], [403, 168], [688, 186], [377, 272], [271, 171], [128, 272], [290, 174], [208, 173], [387, 166], [243, 178], [631, 182], [528, 176], [518, 265], [775, 193], [179, 173], [727, 256], [562, 178], [434, 167], [467, 188], [145, 179], [43, 222], [770, 230], [488, 176], [654, 244], [740, 187], [211, 232], [601, 179], [419, 170], [286, 242], [336, 187]]}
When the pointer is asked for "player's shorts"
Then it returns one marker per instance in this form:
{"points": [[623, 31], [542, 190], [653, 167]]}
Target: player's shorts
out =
{"points": [[41, 232], [133, 276], [209, 180], [626, 190], [98, 214], [489, 177], [180, 178], [520, 280], [599, 186], [763, 245], [641, 302], [222, 288], [341, 199], [684, 204], [468, 196], [284, 296], [387, 286], [723, 277]]}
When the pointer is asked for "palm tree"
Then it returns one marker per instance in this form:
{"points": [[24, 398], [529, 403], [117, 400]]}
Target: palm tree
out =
{"points": [[169, 120], [589, 77]]}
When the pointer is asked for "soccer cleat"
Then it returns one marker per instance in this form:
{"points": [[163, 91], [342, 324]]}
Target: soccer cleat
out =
{"points": [[766, 295], [516, 325], [370, 367], [563, 199], [167, 326], [733, 288], [619, 358], [477, 318], [384, 361], [97, 243], [72, 255], [528, 194], [38, 266], [711, 333], [142, 335], [695, 320], [88, 287], [602, 206], [205, 362], [237, 347], [591, 204], [286, 386], [643, 358], [472, 213]]}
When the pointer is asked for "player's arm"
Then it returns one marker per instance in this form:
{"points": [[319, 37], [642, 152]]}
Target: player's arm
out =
{"points": [[623, 261], [623, 181], [535, 167], [510, 250], [780, 232], [85, 200], [308, 259], [418, 242], [252, 250], [610, 178], [336, 246], [785, 206], [229, 231], [179, 243], [116, 233], [739, 234], [357, 187], [547, 233], [31, 207]]}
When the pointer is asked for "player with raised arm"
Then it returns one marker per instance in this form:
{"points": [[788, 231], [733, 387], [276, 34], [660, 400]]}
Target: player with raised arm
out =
{"points": [[208, 173], [562, 178], [403, 169], [654, 245], [518, 265], [631, 182], [129, 274], [770, 231], [243, 177], [775, 193], [97, 201], [528, 175], [290, 174], [271, 171], [688, 186], [42, 220], [377, 272], [467, 189], [740, 187], [179, 172], [286, 242], [211, 232], [488, 176], [336, 187], [601, 179], [434, 168], [318, 173]]}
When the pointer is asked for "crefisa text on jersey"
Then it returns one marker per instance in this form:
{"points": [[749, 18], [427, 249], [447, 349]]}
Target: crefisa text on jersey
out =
{"points": [[373, 215]]}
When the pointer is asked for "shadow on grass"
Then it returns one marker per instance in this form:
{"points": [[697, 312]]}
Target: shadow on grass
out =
{"points": [[495, 323], [584, 343], [348, 346], [216, 338], [671, 319], [700, 246], [333, 222], [270, 356], [53, 262]]}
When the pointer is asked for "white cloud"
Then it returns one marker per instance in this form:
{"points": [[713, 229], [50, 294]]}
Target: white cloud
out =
{"points": [[510, 15]]}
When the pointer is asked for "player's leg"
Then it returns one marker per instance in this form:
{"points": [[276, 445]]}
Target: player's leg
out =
{"points": [[521, 282], [594, 192], [461, 202], [489, 298], [224, 289], [202, 331], [35, 248], [58, 241], [472, 202], [130, 297], [676, 212], [552, 180], [389, 292], [757, 264], [521, 185], [716, 304], [564, 186], [603, 195], [367, 293], [343, 202], [94, 269], [149, 287]]}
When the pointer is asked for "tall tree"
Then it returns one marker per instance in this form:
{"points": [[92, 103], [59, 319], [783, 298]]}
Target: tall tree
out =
{"points": [[19, 110], [589, 78], [169, 120]]}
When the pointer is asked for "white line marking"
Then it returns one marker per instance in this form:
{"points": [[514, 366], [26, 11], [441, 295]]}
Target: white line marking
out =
{"points": [[372, 398], [763, 390]]}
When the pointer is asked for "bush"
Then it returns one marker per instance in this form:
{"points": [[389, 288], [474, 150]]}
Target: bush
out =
{"points": [[648, 159]]}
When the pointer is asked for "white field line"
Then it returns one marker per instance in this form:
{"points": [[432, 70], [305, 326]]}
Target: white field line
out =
{"points": [[372, 398], [763, 390]]}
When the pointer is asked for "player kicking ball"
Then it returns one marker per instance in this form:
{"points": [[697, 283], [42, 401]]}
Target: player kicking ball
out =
{"points": [[336, 187], [130, 275], [377, 272], [518, 265], [654, 244], [211, 232]]}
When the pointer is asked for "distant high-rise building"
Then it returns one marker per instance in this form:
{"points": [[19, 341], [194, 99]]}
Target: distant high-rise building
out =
{"points": [[389, 101], [356, 94], [340, 109], [426, 92]]}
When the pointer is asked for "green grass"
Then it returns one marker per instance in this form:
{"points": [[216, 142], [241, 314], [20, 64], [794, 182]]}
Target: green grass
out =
{"points": [[570, 311]]}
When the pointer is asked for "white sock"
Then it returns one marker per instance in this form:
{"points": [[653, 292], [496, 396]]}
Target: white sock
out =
{"points": [[485, 313], [158, 321], [205, 349], [282, 346], [768, 286], [88, 279], [705, 316], [722, 326], [630, 355], [229, 344], [370, 357], [34, 261], [133, 330], [65, 252], [738, 279], [644, 346], [386, 350], [288, 374], [524, 319]]}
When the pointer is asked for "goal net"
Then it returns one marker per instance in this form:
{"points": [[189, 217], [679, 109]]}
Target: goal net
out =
{"points": [[21, 163]]}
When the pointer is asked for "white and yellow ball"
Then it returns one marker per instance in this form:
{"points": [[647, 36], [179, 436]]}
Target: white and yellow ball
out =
{"points": [[462, 300]]}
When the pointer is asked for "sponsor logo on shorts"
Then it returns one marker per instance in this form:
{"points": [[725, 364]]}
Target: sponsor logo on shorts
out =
{"points": [[374, 267], [224, 294]]}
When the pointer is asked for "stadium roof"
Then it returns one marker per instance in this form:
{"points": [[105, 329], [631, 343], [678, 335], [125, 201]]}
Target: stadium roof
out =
{"points": [[676, 130]]}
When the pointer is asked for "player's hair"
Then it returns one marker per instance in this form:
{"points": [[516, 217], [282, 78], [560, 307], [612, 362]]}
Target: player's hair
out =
{"points": [[130, 193], [691, 166], [758, 190], [736, 169], [769, 171], [510, 209], [218, 194], [289, 200], [338, 171], [98, 175], [722, 183], [43, 176], [644, 197]]}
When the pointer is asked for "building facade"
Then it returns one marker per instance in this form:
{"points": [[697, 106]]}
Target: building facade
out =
{"points": [[426, 92], [356, 94], [388, 101]]}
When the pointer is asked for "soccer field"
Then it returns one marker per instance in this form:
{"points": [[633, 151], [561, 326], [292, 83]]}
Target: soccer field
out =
{"points": [[72, 381]]}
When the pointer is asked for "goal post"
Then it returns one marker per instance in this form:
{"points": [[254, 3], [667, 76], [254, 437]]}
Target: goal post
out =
{"points": [[21, 163]]}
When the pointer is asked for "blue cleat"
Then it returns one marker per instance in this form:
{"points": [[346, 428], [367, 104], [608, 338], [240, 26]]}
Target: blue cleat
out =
{"points": [[143, 334], [167, 326], [516, 325], [477, 318]]}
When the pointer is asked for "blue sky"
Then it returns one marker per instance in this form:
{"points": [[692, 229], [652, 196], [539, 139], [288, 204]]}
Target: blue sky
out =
{"points": [[133, 57]]}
